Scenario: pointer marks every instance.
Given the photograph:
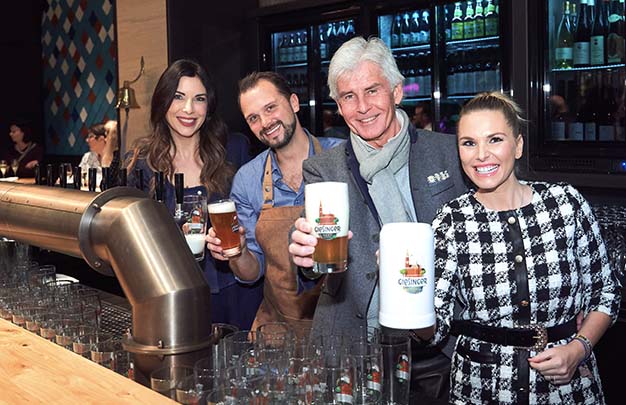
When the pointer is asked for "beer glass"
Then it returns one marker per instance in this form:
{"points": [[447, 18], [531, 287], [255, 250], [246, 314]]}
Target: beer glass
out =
{"points": [[224, 221], [396, 369], [194, 228], [3, 167], [327, 210]]}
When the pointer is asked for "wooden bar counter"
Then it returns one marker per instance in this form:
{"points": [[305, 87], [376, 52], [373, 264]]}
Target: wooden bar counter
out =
{"points": [[34, 370]]}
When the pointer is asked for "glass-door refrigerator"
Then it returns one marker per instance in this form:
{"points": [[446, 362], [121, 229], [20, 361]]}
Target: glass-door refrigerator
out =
{"points": [[577, 105], [301, 52], [447, 52]]}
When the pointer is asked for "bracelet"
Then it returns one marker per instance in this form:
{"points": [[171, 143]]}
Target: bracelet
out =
{"points": [[586, 344]]}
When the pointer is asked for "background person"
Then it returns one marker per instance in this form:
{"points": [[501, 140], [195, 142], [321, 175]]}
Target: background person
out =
{"points": [[189, 137], [269, 194], [25, 150], [390, 169], [518, 254], [423, 116]]}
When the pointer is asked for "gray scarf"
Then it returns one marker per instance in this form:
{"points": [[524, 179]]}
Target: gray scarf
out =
{"points": [[378, 167]]}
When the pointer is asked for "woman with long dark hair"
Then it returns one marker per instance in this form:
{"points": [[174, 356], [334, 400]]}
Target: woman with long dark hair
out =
{"points": [[189, 137], [25, 151]]}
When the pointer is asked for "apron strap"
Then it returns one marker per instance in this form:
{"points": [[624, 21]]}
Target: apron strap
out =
{"points": [[268, 186]]}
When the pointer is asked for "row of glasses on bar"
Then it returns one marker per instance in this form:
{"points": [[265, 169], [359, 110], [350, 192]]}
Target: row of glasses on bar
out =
{"points": [[62, 311], [272, 365]]}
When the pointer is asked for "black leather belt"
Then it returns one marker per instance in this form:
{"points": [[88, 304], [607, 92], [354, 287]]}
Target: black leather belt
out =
{"points": [[533, 337]]}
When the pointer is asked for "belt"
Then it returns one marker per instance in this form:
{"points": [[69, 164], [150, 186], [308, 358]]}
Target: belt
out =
{"points": [[534, 337]]}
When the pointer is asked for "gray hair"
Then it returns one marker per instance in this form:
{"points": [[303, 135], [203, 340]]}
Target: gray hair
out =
{"points": [[358, 50]]}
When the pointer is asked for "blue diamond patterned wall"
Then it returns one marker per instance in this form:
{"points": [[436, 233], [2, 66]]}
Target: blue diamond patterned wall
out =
{"points": [[79, 58]]}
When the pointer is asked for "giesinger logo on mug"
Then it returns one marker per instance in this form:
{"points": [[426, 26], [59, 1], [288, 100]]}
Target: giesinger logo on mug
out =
{"points": [[327, 226], [412, 277]]}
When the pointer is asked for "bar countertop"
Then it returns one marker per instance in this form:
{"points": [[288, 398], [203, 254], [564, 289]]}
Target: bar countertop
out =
{"points": [[34, 370]]}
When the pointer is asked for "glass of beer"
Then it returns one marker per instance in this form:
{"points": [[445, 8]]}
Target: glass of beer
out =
{"points": [[194, 227], [224, 221], [327, 210]]}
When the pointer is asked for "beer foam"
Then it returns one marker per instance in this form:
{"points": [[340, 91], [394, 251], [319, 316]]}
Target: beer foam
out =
{"points": [[222, 207]]}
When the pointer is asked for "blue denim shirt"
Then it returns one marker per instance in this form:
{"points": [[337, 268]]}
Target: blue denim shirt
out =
{"points": [[247, 192]]}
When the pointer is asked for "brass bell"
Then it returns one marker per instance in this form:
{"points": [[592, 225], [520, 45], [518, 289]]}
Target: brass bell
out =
{"points": [[126, 97]]}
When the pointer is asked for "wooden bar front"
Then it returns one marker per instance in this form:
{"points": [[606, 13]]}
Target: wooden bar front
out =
{"points": [[34, 370]]}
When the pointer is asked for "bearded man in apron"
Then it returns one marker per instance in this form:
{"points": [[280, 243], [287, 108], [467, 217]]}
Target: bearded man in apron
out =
{"points": [[269, 195]]}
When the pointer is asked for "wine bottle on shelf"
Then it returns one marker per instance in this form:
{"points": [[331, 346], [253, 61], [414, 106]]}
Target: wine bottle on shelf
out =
{"points": [[582, 36], [405, 35], [159, 186], [330, 38], [415, 28], [479, 20], [396, 31], [596, 45], [469, 31], [298, 49], [451, 74], [590, 115], [564, 53], [462, 73], [457, 22], [428, 87], [617, 30], [341, 34], [350, 31], [606, 119], [425, 27], [281, 49], [576, 130], [447, 22], [323, 44], [573, 16], [412, 81], [291, 48], [491, 19]]}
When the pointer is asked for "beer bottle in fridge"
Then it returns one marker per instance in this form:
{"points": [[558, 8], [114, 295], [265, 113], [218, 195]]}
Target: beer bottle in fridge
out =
{"points": [[415, 28], [457, 22], [469, 31], [479, 20], [491, 19], [396, 31], [425, 28], [405, 35]]}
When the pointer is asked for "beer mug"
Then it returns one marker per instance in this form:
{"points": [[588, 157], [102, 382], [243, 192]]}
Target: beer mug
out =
{"points": [[328, 210], [224, 221], [195, 213], [407, 276]]}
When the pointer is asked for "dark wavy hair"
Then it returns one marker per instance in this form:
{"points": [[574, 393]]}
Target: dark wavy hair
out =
{"points": [[158, 147], [26, 129]]}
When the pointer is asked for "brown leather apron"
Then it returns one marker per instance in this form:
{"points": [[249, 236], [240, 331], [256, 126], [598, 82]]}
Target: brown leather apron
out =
{"points": [[281, 303]]}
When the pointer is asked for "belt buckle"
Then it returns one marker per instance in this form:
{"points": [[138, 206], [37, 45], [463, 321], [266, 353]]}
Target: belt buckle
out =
{"points": [[541, 337]]}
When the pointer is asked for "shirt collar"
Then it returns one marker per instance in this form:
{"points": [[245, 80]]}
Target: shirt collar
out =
{"points": [[276, 173]]}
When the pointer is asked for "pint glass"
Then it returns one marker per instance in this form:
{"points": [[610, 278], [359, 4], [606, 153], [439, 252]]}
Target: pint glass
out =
{"points": [[327, 210], [224, 221]]}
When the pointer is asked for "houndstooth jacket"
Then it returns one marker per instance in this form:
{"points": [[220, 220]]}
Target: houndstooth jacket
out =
{"points": [[568, 272]]}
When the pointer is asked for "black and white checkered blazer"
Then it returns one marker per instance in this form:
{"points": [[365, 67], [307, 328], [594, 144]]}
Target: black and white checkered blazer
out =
{"points": [[568, 272]]}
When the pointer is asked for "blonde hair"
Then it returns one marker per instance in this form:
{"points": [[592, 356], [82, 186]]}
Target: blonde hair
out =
{"points": [[495, 101]]}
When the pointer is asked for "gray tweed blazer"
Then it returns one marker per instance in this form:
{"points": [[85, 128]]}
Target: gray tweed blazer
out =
{"points": [[435, 176]]}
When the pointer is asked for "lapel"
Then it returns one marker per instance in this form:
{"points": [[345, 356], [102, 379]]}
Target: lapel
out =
{"points": [[416, 172], [353, 165]]}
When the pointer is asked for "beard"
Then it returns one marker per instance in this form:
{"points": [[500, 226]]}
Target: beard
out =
{"points": [[289, 131]]}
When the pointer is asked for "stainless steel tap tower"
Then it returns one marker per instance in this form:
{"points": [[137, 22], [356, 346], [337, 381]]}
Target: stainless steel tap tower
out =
{"points": [[121, 232]]}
